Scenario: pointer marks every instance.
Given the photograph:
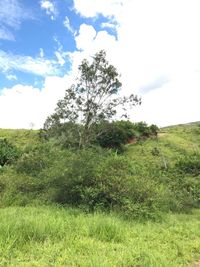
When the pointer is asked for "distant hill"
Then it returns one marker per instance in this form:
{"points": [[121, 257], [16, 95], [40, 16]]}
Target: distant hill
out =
{"points": [[183, 124]]}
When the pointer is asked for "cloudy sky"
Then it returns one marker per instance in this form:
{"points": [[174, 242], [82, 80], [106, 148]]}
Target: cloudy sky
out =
{"points": [[155, 45]]}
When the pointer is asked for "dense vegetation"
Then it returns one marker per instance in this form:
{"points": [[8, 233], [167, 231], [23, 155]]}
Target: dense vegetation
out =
{"points": [[150, 178]]}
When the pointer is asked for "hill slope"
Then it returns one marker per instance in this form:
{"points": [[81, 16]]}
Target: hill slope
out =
{"points": [[172, 143], [154, 174], [153, 177]]}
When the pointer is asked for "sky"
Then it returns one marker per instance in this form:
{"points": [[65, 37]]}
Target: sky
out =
{"points": [[154, 44]]}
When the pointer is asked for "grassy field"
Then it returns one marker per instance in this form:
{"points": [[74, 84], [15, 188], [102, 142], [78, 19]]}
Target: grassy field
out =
{"points": [[54, 236]]}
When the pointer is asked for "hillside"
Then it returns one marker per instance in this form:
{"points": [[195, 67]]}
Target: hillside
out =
{"points": [[99, 208], [167, 167], [173, 143], [21, 138]]}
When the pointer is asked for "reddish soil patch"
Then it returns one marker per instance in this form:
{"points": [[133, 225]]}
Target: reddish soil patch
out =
{"points": [[131, 141]]}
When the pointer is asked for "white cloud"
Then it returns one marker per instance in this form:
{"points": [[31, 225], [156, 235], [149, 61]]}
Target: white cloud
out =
{"points": [[30, 105], [61, 55], [174, 103], [22, 99], [11, 77], [12, 14], [66, 23], [92, 8], [108, 25], [155, 39], [6, 34], [38, 66], [60, 58], [50, 8], [89, 42], [41, 52], [85, 37]]}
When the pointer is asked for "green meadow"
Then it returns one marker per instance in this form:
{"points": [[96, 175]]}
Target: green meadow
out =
{"points": [[55, 236]]}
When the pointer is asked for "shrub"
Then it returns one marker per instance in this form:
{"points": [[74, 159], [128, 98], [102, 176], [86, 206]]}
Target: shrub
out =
{"points": [[96, 179], [154, 129], [112, 136], [189, 164], [34, 160], [65, 134], [143, 129], [8, 152], [115, 134], [128, 127]]}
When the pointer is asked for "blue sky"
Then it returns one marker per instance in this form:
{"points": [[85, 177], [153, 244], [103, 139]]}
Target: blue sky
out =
{"points": [[154, 45], [38, 32]]}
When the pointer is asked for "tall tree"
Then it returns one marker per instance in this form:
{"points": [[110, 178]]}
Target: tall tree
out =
{"points": [[92, 99]]}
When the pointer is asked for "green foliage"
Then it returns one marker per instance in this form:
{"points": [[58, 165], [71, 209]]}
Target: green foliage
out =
{"points": [[8, 152], [92, 99], [151, 177], [118, 133], [189, 164], [154, 129], [143, 129], [90, 179], [33, 160], [112, 136], [128, 128]]}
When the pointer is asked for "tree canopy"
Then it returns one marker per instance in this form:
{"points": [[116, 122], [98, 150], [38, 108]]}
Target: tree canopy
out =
{"points": [[93, 98]]}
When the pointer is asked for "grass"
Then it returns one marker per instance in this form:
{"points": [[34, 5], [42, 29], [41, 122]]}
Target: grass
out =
{"points": [[20, 137], [55, 236], [172, 143]]}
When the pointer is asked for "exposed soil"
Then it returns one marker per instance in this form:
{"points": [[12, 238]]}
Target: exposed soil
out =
{"points": [[195, 263]]}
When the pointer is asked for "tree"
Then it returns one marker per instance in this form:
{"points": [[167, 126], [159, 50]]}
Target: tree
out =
{"points": [[92, 99]]}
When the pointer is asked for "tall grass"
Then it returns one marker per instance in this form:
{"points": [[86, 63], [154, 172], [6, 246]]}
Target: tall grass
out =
{"points": [[54, 236]]}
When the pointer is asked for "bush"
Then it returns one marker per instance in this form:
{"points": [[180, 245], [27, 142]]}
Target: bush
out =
{"points": [[115, 134], [8, 152], [34, 160], [154, 129], [112, 136], [65, 134], [96, 179], [106, 134], [189, 164], [185, 192], [93, 179], [128, 127], [143, 129]]}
